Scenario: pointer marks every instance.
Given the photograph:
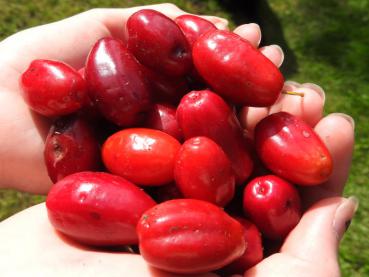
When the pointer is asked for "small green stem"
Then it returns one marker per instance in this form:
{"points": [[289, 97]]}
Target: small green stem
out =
{"points": [[301, 94]]}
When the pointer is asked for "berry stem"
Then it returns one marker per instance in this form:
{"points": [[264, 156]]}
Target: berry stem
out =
{"points": [[301, 94]]}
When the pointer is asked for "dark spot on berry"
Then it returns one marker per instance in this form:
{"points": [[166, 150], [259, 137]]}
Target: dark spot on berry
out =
{"points": [[173, 229], [179, 52], [288, 204], [95, 215]]}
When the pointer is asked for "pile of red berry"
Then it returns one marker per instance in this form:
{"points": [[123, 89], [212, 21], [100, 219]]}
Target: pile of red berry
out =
{"points": [[159, 114]]}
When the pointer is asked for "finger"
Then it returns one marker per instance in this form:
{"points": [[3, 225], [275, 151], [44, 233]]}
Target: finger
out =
{"points": [[309, 107], [316, 238], [45, 253], [292, 84], [274, 53], [74, 39], [337, 132], [250, 32], [250, 116], [315, 87], [219, 22]]}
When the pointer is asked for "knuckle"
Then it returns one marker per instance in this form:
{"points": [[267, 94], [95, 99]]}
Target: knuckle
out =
{"points": [[170, 6], [94, 12]]}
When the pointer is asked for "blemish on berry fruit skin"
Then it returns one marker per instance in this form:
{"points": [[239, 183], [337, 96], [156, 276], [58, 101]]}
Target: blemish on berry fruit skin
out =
{"points": [[58, 150], [71, 146], [95, 215], [306, 134]]}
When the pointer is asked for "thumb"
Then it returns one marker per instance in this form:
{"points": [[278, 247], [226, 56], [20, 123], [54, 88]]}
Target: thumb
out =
{"points": [[317, 236]]}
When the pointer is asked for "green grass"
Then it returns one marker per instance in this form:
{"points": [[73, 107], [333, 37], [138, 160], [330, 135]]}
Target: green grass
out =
{"points": [[326, 42]]}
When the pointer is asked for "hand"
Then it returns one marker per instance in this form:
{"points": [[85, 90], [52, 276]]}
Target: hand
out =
{"points": [[310, 248]]}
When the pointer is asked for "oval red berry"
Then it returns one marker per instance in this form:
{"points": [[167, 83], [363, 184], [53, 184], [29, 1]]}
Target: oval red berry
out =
{"points": [[203, 171], [158, 43], [143, 156], [189, 236], [236, 70], [53, 88], [291, 149], [97, 208], [70, 147], [273, 204]]}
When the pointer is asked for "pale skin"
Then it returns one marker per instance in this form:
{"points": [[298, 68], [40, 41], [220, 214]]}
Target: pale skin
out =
{"points": [[33, 248]]}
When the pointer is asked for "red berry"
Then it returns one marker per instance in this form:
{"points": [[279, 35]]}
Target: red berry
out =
{"points": [[163, 117], [158, 43], [116, 83], [204, 113], [203, 171], [273, 204], [236, 70], [97, 208], [164, 193], [71, 147], [193, 27], [143, 156], [164, 89], [254, 250], [52, 88], [189, 236], [291, 149]]}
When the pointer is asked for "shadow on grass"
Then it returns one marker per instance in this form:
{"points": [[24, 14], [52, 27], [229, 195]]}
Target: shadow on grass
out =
{"points": [[260, 12], [339, 36]]}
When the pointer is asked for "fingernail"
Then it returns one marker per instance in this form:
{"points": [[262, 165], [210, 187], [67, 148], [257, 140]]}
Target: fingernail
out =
{"points": [[316, 88], [344, 214], [292, 83], [347, 117], [257, 28], [279, 49]]}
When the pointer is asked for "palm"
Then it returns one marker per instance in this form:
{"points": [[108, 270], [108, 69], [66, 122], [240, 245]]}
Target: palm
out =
{"points": [[22, 135], [285, 265], [22, 145], [23, 132]]}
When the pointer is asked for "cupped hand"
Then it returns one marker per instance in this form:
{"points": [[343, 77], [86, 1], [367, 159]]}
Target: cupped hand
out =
{"points": [[311, 247], [309, 250]]}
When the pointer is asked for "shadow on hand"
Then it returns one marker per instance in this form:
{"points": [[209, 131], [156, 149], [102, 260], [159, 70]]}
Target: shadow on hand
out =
{"points": [[103, 249]]}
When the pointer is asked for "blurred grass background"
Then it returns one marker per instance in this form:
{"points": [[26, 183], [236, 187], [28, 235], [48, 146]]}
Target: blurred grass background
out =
{"points": [[325, 42]]}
